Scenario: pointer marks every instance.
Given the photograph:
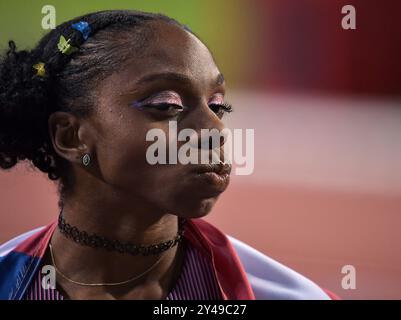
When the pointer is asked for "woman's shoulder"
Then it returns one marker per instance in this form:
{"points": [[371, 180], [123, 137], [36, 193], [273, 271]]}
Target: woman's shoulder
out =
{"points": [[18, 260], [10, 245], [268, 278], [272, 280]]}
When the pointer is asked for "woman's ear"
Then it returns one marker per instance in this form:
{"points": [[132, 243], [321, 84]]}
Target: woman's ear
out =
{"points": [[69, 136]]}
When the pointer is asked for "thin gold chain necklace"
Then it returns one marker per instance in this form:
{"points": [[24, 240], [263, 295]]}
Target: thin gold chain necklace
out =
{"points": [[106, 283]]}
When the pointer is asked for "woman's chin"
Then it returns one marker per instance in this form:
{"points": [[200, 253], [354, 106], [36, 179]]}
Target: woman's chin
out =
{"points": [[199, 209]]}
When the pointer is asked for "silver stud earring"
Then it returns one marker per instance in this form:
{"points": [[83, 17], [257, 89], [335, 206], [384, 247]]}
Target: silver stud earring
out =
{"points": [[86, 159]]}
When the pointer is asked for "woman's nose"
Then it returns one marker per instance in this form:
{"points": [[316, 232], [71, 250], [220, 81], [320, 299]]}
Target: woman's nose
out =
{"points": [[209, 128]]}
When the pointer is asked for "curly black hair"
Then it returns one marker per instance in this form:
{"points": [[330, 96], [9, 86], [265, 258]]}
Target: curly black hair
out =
{"points": [[27, 100]]}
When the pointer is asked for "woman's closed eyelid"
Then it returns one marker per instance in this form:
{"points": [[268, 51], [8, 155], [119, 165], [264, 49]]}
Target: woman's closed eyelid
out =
{"points": [[217, 98], [173, 98], [169, 97]]}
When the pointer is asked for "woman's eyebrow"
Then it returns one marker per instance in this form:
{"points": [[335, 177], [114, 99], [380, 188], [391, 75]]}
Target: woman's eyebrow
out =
{"points": [[177, 77]]}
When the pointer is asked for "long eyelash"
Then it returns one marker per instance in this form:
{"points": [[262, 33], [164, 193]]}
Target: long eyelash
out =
{"points": [[228, 107], [225, 106]]}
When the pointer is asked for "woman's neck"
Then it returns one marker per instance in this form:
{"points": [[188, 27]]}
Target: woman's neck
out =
{"points": [[141, 225]]}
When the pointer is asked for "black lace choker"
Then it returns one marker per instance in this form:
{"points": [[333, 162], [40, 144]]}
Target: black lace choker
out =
{"points": [[97, 241]]}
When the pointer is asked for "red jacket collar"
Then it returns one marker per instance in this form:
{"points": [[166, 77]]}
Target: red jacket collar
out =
{"points": [[227, 267]]}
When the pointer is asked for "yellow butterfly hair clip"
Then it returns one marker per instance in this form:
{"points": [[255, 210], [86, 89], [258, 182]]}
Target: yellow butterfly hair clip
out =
{"points": [[65, 47], [40, 69]]}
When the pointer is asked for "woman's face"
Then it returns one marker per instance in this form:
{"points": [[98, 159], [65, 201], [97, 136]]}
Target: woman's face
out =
{"points": [[175, 67]]}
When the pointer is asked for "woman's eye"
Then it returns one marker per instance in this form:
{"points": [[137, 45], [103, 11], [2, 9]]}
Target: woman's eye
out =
{"points": [[165, 107], [220, 109]]}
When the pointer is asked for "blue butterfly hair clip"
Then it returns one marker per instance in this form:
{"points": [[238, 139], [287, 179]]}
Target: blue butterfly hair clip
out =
{"points": [[83, 27]]}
